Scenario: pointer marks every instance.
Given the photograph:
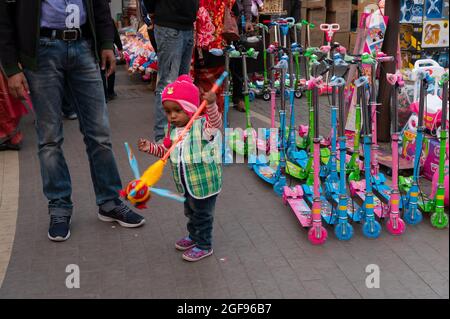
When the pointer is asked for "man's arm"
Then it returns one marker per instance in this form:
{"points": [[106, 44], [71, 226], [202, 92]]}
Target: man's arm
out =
{"points": [[8, 54], [104, 29]]}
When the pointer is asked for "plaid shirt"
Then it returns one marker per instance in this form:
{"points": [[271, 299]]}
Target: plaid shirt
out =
{"points": [[202, 178]]}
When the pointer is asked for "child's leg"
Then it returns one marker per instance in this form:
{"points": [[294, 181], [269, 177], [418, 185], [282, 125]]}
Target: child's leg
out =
{"points": [[201, 220]]}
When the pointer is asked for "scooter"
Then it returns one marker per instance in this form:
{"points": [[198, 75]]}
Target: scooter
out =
{"points": [[274, 171], [371, 227], [343, 230], [412, 214], [395, 225], [436, 205], [266, 90], [227, 52], [239, 143], [295, 197]]}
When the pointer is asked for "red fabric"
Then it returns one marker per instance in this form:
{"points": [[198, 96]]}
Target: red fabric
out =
{"points": [[205, 79], [209, 24], [11, 111]]}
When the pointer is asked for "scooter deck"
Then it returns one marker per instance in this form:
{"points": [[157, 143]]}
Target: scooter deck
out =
{"points": [[326, 208], [352, 207], [360, 197], [301, 211], [265, 172]]}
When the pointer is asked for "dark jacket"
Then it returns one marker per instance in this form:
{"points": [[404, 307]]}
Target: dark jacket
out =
{"points": [[20, 27], [175, 14]]}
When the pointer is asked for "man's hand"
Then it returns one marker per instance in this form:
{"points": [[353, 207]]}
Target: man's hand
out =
{"points": [[18, 86], [108, 60], [249, 27]]}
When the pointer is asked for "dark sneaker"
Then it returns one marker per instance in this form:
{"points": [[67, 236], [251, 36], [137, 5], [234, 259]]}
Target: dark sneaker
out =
{"points": [[59, 229], [123, 215], [70, 116]]}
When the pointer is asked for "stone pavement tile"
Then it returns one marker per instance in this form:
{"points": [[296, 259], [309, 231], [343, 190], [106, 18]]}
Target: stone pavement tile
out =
{"points": [[416, 262], [289, 285], [237, 279], [304, 269], [276, 261], [342, 288], [113, 284], [317, 289], [368, 293], [418, 287], [353, 270], [190, 293], [437, 282]]}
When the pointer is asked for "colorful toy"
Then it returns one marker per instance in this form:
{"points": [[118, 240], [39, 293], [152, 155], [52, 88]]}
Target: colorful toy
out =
{"points": [[411, 212], [335, 186], [395, 224], [371, 227], [144, 194], [436, 205]]}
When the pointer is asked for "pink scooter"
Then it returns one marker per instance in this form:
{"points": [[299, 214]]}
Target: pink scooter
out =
{"points": [[395, 225]]}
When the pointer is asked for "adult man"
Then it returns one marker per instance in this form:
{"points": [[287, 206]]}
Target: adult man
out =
{"points": [[54, 42], [174, 34]]}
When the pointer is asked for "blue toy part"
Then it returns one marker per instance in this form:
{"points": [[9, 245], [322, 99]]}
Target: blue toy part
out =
{"points": [[413, 217], [168, 194], [434, 9], [343, 231], [278, 187], [251, 95], [371, 229]]}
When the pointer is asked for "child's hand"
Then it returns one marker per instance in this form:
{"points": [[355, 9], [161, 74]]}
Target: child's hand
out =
{"points": [[210, 97], [143, 145]]}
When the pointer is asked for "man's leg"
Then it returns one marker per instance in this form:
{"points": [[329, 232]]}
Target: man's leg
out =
{"points": [[86, 88], [188, 46], [170, 51], [85, 84], [47, 89]]}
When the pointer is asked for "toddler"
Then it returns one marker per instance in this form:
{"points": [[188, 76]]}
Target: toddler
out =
{"points": [[200, 181]]}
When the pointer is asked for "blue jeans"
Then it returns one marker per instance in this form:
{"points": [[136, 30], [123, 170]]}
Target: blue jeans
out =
{"points": [[174, 59], [200, 214], [72, 63]]}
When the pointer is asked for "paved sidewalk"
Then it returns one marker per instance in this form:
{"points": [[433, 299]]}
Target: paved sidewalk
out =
{"points": [[260, 249]]}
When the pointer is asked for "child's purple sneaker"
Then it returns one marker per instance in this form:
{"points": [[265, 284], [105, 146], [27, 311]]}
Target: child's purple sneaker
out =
{"points": [[185, 243], [195, 254]]}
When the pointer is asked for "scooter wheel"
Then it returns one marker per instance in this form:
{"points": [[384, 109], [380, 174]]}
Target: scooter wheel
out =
{"points": [[413, 218], [343, 231], [298, 94], [266, 97], [371, 229], [439, 221], [400, 226], [316, 239]]}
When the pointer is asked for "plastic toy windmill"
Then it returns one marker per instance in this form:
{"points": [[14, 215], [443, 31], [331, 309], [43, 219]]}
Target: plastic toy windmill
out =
{"points": [[153, 174], [144, 194]]}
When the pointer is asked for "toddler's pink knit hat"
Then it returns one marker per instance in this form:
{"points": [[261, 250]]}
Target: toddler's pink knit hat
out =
{"points": [[183, 92]]}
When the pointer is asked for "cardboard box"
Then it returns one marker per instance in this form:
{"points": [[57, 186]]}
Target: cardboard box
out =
{"points": [[317, 38], [352, 42], [343, 38], [343, 18], [312, 4], [317, 16], [339, 5]]}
